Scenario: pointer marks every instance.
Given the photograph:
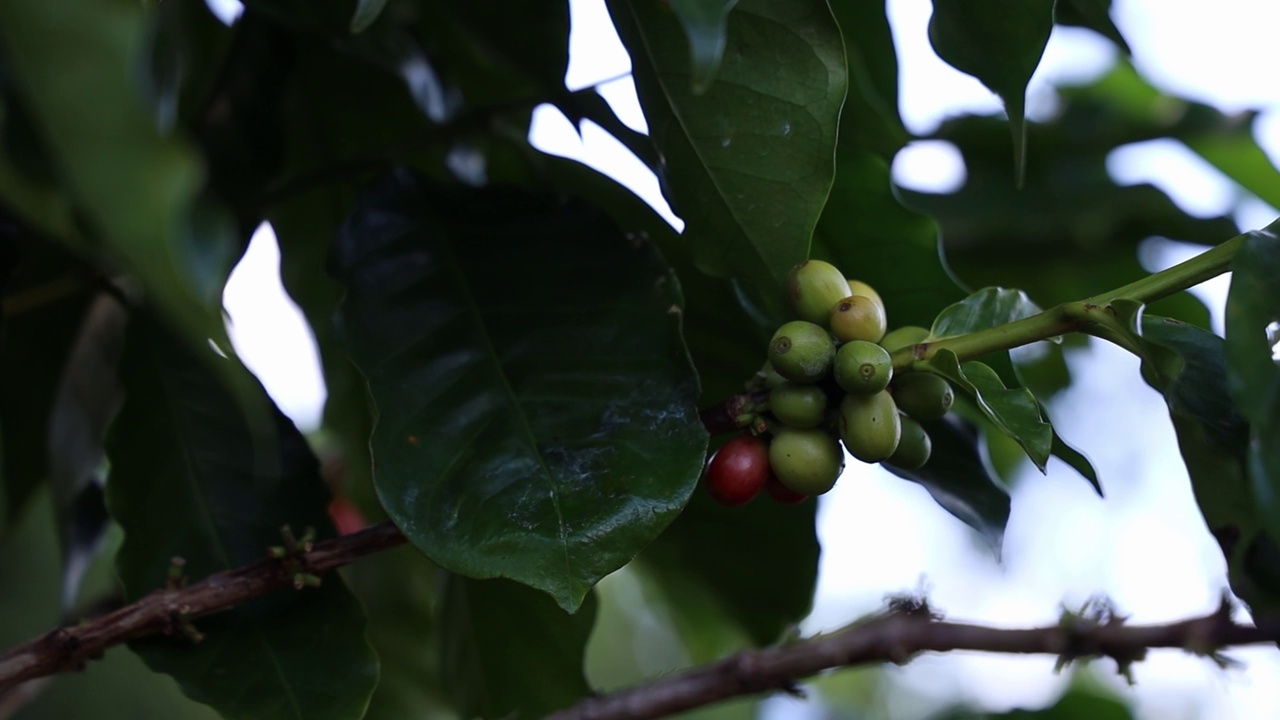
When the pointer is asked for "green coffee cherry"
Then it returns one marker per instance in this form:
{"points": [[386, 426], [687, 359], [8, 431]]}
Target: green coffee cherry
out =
{"points": [[814, 288], [797, 405], [922, 395], [857, 317], [801, 351], [901, 337], [806, 461], [857, 287], [913, 448], [862, 367], [870, 426]]}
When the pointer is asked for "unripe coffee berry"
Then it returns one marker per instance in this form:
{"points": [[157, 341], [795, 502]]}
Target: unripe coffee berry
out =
{"points": [[806, 461], [857, 287], [899, 338], [870, 426], [862, 367], [923, 395], [801, 351], [798, 405], [914, 447], [857, 318], [813, 288]]}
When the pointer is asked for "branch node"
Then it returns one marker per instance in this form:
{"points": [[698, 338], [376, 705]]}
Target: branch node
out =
{"points": [[176, 577], [304, 580]]}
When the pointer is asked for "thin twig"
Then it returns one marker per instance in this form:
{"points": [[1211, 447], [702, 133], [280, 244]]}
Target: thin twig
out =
{"points": [[896, 637], [69, 648]]}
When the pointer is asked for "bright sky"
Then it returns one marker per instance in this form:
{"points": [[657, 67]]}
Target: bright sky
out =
{"points": [[1144, 546]]}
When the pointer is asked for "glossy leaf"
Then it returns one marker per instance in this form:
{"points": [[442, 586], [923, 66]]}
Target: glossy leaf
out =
{"points": [[983, 309], [509, 650], [1000, 42], [959, 480], [700, 556], [536, 406], [1014, 411], [750, 161], [137, 190], [367, 12], [1092, 14], [1253, 373], [197, 475], [704, 25]]}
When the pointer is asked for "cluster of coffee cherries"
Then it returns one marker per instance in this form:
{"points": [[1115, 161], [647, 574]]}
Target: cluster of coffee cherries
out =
{"points": [[829, 378]]}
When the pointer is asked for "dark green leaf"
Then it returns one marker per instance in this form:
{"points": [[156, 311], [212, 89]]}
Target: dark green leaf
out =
{"points": [[536, 406], [1253, 374], [700, 557], [199, 475], [1000, 42], [1092, 14], [869, 121], [704, 23], [983, 309], [959, 480], [510, 650], [750, 161], [78, 99], [1238, 155], [367, 11]]}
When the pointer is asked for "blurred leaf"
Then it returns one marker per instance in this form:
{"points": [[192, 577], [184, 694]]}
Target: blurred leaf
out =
{"points": [[868, 234], [750, 160], [367, 11], [196, 475], [399, 589], [982, 310], [959, 480], [699, 567], [1014, 411], [44, 302], [136, 190], [1253, 374], [522, 432], [1240, 158], [29, 188], [1092, 14], [510, 650], [1000, 42], [869, 120], [1076, 704]]}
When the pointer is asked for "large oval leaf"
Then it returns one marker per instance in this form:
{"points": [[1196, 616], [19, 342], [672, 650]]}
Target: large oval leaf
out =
{"points": [[751, 159], [197, 475], [536, 406]]}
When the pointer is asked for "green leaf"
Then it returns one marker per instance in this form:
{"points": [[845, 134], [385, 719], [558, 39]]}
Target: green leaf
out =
{"points": [[1092, 14], [750, 161], [510, 650], [1013, 410], [869, 120], [367, 11], [1000, 42], [1253, 374], [983, 309], [700, 556], [198, 475], [1239, 157], [704, 23], [536, 406], [960, 481], [137, 190]]}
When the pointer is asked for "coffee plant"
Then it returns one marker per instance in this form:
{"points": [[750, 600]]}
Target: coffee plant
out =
{"points": [[533, 381]]}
